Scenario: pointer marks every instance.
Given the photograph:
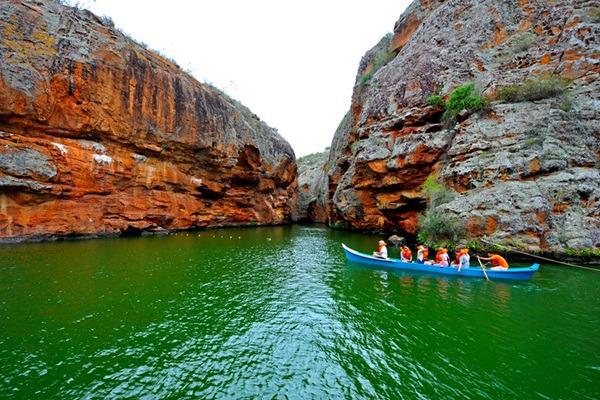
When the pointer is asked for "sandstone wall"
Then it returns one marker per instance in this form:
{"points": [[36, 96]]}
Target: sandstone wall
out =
{"points": [[525, 172], [100, 136]]}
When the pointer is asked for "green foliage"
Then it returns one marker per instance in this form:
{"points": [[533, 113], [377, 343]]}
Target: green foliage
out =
{"points": [[440, 228], [312, 157], [475, 246], [337, 225], [566, 105], [534, 89], [464, 97], [381, 58], [595, 14], [311, 161], [584, 252], [436, 192], [435, 100], [532, 141], [523, 41], [365, 78]]}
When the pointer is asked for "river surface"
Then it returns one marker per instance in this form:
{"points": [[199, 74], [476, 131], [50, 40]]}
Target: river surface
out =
{"points": [[278, 313]]}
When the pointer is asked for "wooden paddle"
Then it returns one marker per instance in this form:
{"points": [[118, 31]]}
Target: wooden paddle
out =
{"points": [[483, 269]]}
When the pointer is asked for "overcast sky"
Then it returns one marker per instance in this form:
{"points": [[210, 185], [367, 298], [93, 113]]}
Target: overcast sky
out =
{"points": [[291, 63]]}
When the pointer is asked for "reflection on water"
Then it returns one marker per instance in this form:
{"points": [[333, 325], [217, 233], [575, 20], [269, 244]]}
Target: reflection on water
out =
{"points": [[278, 312]]}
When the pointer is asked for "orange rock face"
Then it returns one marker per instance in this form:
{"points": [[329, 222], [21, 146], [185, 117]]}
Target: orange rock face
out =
{"points": [[99, 136], [522, 172]]}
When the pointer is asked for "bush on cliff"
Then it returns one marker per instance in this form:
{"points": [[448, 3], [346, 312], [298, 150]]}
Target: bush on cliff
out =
{"points": [[381, 58], [438, 227], [436, 100], [534, 89], [465, 97], [437, 193]]}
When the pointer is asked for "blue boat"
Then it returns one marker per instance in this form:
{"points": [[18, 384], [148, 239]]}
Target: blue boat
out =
{"points": [[475, 272]]}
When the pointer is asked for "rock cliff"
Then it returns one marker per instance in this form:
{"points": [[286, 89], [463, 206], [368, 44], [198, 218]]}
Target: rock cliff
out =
{"points": [[100, 136], [312, 189], [525, 170]]}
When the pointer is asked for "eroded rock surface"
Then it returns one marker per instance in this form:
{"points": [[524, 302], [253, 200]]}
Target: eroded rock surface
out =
{"points": [[312, 188], [100, 136], [526, 172]]}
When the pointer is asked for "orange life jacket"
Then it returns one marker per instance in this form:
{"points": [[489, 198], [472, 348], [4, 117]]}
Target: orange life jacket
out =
{"points": [[498, 261]]}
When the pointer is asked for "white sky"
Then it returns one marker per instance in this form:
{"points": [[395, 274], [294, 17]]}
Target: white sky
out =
{"points": [[291, 63]]}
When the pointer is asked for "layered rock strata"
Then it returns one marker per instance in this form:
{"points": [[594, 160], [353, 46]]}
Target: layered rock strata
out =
{"points": [[525, 172], [100, 136]]}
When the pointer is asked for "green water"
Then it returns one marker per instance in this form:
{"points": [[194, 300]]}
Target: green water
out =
{"points": [[278, 313]]}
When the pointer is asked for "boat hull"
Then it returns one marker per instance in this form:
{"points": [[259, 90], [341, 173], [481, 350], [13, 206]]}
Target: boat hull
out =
{"points": [[473, 272]]}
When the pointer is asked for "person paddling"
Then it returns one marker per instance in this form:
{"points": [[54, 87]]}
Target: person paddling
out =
{"points": [[381, 250], [498, 262], [406, 254]]}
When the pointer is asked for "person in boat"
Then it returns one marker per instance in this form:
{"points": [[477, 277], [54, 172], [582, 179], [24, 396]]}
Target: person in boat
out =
{"points": [[381, 250], [498, 262], [406, 254], [426, 256], [464, 259], [438, 256], [421, 254], [444, 258], [456, 258]]}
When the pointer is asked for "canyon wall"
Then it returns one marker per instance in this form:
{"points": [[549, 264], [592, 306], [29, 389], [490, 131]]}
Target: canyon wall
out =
{"points": [[525, 172], [100, 136]]}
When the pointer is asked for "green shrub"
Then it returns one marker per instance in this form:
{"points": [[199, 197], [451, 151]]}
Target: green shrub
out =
{"points": [[365, 78], [532, 141], [381, 58], [566, 105], [436, 192], [534, 89], [435, 100], [523, 41], [595, 14], [584, 252], [464, 97], [438, 227]]}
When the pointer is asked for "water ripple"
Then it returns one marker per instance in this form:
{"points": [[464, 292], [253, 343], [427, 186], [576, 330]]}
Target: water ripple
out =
{"points": [[207, 316]]}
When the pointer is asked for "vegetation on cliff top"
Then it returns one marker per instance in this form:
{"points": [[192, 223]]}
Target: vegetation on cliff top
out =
{"points": [[380, 59], [311, 160]]}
